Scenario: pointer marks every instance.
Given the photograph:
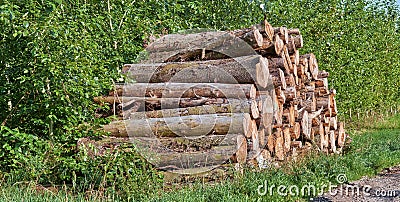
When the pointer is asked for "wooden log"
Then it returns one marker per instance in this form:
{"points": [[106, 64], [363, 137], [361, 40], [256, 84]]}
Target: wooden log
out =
{"points": [[278, 78], [295, 131], [291, 46], [262, 138], [333, 107], [323, 74], [186, 126], [290, 93], [287, 139], [312, 61], [321, 83], [298, 41], [289, 114], [321, 91], [332, 141], [192, 46], [319, 136], [267, 112], [294, 31], [267, 30], [296, 144], [241, 153], [326, 137], [295, 59], [332, 121], [305, 126], [290, 80], [175, 161], [271, 142], [244, 70], [185, 90], [255, 140], [185, 144], [311, 102], [279, 145], [271, 48], [252, 36], [238, 106], [341, 135], [283, 34], [323, 102], [286, 54], [278, 62], [146, 103]]}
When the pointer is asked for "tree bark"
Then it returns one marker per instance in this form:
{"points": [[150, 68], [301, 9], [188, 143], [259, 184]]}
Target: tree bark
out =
{"points": [[186, 126], [184, 47], [186, 90], [233, 107], [243, 70]]}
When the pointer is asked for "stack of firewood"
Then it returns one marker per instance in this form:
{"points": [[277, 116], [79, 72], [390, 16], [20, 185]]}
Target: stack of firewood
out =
{"points": [[199, 92]]}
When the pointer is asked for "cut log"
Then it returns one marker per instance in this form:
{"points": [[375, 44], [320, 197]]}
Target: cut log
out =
{"points": [[332, 141], [319, 136], [267, 30], [287, 139], [322, 83], [185, 126], [291, 46], [296, 144], [283, 34], [244, 70], [298, 41], [295, 131], [278, 78], [323, 102], [286, 54], [279, 145], [279, 62], [174, 161], [267, 109], [323, 74], [290, 93], [251, 36], [262, 137], [184, 47], [312, 61], [290, 80], [341, 135], [255, 140], [241, 153], [311, 103], [237, 106], [172, 103], [185, 90], [185, 144], [295, 59], [294, 31], [321, 91], [271, 48], [271, 142], [305, 126]]}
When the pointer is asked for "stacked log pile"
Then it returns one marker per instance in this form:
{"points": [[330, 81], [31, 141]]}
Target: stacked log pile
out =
{"points": [[248, 108]]}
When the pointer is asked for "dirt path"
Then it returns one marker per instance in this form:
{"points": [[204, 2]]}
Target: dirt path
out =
{"points": [[383, 188]]}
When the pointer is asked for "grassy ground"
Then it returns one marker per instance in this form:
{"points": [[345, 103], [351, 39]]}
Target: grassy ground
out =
{"points": [[368, 154]]}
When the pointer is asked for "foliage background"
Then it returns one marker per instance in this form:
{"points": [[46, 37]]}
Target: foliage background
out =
{"points": [[55, 56]]}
